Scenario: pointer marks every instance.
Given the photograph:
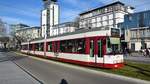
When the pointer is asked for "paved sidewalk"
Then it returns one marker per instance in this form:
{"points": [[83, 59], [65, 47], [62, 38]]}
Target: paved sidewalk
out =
{"points": [[10, 73], [137, 57]]}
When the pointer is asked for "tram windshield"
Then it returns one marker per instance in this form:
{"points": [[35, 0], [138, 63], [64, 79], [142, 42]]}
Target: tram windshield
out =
{"points": [[113, 45]]}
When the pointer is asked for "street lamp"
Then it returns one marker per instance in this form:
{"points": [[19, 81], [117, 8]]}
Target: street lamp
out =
{"points": [[45, 37]]}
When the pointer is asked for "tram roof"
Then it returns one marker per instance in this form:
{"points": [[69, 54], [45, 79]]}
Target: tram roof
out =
{"points": [[79, 31]]}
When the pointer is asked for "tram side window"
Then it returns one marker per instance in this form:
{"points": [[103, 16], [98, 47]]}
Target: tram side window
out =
{"points": [[21, 47], [109, 49], [30, 46], [63, 46], [81, 46], [24, 47], [41, 46], [73, 46], [113, 45], [108, 43], [92, 48], [100, 49], [36, 47], [50, 47]]}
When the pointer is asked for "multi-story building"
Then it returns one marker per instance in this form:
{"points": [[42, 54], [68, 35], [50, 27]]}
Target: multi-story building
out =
{"points": [[140, 38], [2, 28], [28, 33], [3, 34], [15, 27], [49, 17], [64, 28], [106, 16], [136, 30]]}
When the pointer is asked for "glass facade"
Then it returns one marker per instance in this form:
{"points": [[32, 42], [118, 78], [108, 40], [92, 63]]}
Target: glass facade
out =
{"points": [[138, 27], [138, 23], [135, 20]]}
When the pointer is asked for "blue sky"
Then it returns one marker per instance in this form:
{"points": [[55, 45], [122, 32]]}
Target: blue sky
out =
{"points": [[28, 11]]}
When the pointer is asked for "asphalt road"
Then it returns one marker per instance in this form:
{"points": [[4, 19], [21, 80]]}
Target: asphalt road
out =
{"points": [[50, 72], [10, 73]]}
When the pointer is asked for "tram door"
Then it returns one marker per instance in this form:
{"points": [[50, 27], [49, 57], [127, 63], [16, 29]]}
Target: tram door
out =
{"points": [[92, 51], [96, 46], [100, 48], [56, 49]]}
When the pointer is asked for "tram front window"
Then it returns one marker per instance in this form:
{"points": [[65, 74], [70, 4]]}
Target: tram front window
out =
{"points": [[113, 45]]}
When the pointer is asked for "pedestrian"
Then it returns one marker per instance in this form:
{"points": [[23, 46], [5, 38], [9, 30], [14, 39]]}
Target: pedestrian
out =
{"points": [[147, 52], [128, 51], [143, 52], [125, 52]]}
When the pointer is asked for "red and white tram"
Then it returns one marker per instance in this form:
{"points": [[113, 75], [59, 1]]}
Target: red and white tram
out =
{"points": [[93, 47]]}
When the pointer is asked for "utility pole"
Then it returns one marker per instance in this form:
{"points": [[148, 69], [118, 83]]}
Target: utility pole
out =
{"points": [[50, 17]]}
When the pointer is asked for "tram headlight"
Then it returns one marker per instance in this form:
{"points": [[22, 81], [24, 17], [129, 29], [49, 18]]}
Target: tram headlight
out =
{"points": [[116, 66]]}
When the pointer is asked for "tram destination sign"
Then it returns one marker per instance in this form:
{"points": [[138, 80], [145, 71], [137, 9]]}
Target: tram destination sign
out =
{"points": [[115, 32]]}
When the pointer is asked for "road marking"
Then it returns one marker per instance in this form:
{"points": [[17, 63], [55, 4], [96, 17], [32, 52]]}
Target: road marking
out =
{"points": [[138, 81], [29, 73], [26, 71]]}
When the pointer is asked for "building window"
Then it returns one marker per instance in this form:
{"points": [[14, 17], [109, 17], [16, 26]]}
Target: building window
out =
{"points": [[141, 20], [98, 19], [93, 20], [106, 10], [93, 25], [103, 10], [99, 24], [130, 18], [105, 18]]}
